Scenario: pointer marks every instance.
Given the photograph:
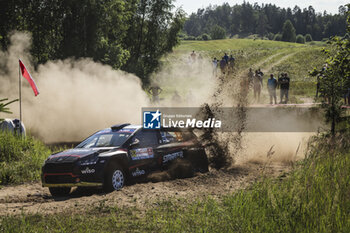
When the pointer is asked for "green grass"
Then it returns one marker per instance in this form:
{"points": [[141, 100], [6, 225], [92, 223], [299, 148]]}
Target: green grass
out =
{"points": [[232, 44], [20, 158], [272, 56], [314, 197]]}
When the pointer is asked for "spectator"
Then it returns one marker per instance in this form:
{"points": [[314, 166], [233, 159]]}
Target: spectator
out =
{"points": [[193, 56], [283, 82], [271, 87], [250, 76], [176, 97], [215, 66], [226, 58], [231, 63], [223, 65], [257, 85], [155, 90], [261, 75]]}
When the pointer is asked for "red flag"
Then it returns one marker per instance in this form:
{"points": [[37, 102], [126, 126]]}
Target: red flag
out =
{"points": [[29, 78]]}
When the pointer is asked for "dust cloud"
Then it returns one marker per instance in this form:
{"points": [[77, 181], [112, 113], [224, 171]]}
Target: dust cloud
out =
{"points": [[77, 97], [281, 147], [193, 81]]}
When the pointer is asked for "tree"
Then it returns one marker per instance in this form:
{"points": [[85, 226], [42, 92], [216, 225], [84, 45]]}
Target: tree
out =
{"points": [[218, 32], [4, 108], [288, 32], [113, 32], [333, 77], [246, 19], [154, 30], [300, 39]]}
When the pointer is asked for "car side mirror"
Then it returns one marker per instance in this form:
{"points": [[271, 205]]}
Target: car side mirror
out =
{"points": [[135, 142]]}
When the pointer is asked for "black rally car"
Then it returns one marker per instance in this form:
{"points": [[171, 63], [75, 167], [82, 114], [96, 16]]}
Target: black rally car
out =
{"points": [[118, 154]]}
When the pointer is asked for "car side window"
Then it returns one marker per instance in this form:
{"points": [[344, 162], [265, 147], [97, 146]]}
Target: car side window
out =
{"points": [[147, 138], [169, 137]]}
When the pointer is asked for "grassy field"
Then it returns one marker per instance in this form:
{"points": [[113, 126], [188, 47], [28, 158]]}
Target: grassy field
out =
{"points": [[271, 56], [233, 44]]}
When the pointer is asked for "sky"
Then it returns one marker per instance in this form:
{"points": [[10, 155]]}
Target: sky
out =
{"points": [[331, 6]]}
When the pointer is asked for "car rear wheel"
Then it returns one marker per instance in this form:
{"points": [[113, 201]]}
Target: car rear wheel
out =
{"points": [[59, 191], [115, 179]]}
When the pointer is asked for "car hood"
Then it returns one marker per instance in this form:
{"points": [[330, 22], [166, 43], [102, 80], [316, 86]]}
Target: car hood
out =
{"points": [[75, 154]]}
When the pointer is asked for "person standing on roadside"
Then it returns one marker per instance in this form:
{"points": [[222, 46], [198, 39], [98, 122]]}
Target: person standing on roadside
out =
{"points": [[261, 75], [215, 66], [226, 58], [193, 56], [223, 65], [231, 63], [250, 76], [283, 82], [271, 87], [155, 90], [257, 85]]}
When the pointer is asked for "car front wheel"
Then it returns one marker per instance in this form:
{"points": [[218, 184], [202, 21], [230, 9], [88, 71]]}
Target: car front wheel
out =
{"points": [[115, 179]]}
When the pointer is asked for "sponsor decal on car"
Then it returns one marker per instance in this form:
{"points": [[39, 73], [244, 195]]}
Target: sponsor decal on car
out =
{"points": [[88, 171], [173, 156], [142, 153], [138, 172]]}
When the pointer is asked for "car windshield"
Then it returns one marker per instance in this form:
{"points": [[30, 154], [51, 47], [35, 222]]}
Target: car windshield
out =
{"points": [[110, 139]]}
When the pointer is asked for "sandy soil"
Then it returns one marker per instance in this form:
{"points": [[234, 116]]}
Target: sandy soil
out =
{"points": [[32, 198]]}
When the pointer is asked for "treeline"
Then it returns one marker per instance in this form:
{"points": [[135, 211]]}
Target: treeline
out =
{"points": [[266, 20], [130, 35]]}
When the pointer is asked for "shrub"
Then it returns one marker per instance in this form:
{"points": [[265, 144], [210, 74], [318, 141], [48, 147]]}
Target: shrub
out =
{"points": [[218, 32], [308, 38], [190, 38], [278, 37], [271, 36], [300, 39], [205, 36]]}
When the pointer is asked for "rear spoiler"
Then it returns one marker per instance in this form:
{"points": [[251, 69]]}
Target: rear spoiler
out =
{"points": [[118, 127]]}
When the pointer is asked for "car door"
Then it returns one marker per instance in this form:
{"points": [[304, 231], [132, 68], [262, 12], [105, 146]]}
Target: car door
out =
{"points": [[143, 153], [171, 147]]}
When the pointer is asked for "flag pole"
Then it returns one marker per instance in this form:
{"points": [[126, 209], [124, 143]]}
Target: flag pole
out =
{"points": [[20, 96]]}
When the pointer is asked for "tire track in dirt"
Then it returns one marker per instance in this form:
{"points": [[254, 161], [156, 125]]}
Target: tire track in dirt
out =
{"points": [[32, 198]]}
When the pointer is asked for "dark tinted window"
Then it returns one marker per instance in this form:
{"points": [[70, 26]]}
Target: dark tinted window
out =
{"points": [[176, 136], [111, 139], [147, 138]]}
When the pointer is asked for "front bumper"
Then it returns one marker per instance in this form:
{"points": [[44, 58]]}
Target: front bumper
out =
{"points": [[71, 175], [79, 184]]}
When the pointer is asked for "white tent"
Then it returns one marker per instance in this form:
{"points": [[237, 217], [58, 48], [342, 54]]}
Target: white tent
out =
{"points": [[13, 126]]}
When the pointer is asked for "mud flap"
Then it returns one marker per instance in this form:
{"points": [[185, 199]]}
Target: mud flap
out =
{"points": [[198, 160]]}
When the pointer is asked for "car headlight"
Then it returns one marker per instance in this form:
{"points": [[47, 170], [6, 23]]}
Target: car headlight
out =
{"points": [[89, 160]]}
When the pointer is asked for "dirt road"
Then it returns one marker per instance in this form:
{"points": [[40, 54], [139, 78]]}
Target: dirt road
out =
{"points": [[32, 198]]}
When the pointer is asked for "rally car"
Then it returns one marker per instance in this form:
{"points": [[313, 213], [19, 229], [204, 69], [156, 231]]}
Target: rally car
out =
{"points": [[113, 156]]}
